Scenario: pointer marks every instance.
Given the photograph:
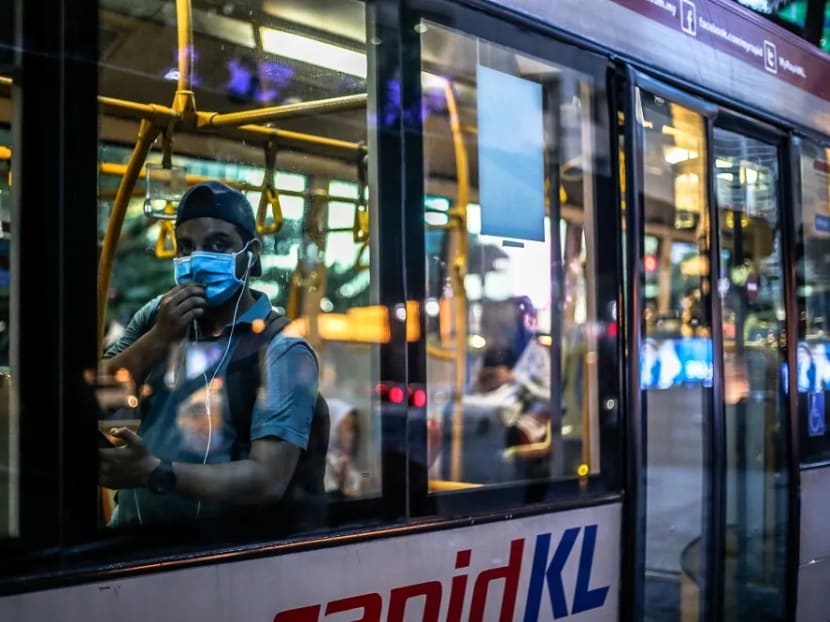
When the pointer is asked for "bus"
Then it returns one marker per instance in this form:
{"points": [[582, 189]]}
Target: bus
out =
{"points": [[564, 263]]}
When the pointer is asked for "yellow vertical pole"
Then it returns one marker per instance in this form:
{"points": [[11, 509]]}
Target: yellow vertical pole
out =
{"points": [[147, 133], [459, 271], [184, 31]]}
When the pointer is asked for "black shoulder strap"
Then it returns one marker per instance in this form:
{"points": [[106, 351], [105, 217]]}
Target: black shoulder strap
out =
{"points": [[243, 377], [250, 342], [243, 380]]}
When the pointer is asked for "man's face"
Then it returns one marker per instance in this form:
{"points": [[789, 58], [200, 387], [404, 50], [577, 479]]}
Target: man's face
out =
{"points": [[214, 236]]}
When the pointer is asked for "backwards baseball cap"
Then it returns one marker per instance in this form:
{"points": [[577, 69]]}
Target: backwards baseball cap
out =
{"points": [[213, 199]]}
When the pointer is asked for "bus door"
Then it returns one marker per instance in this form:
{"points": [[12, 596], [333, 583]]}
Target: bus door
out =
{"points": [[672, 239], [708, 322], [751, 304]]}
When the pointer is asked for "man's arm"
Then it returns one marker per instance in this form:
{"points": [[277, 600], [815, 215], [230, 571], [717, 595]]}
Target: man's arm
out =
{"points": [[262, 478], [142, 348], [280, 429]]}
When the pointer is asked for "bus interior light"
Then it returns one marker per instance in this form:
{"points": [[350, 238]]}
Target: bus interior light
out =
{"points": [[314, 52]]}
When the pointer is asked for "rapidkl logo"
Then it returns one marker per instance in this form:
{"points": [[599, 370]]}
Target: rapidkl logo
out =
{"points": [[546, 571]]}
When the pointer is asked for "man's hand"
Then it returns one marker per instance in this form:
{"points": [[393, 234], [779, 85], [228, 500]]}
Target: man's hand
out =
{"points": [[177, 310], [128, 465]]}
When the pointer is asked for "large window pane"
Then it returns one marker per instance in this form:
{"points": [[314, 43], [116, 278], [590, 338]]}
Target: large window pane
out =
{"points": [[752, 306], [305, 177], [675, 355], [512, 313], [813, 370], [9, 464], [9, 446]]}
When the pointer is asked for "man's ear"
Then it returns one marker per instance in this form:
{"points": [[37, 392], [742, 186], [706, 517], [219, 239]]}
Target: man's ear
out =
{"points": [[254, 250]]}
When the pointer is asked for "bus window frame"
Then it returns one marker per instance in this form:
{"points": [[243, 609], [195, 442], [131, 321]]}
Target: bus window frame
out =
{"points": [[537, 43]]}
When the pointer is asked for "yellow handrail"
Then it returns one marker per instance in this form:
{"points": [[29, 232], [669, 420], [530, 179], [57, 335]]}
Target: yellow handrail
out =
{"points": [[440, 353], [459, 270], [147, 133], [442, 485], [531, 450], [286, 111]]}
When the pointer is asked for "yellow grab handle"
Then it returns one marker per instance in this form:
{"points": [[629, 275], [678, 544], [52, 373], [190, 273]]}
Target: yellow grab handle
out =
{"points": [[166, 242], [271, 197], [357, 260], [360, 228]]}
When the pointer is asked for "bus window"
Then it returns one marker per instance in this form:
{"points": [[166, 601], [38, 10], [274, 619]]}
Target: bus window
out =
{"points": [[270, 102], [813, 369], [511, 311]]}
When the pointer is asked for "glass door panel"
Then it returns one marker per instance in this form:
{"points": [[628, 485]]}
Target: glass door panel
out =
{"points": [[675, 357], [751, 295]]}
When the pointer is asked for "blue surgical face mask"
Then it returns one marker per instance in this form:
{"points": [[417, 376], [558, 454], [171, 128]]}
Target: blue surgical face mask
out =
{"points": [[216, 271]]}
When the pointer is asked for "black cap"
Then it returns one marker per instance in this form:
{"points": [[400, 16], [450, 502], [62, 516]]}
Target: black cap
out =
{"points": [[213, 199]]}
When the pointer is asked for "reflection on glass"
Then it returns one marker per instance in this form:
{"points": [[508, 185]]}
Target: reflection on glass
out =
{"points": [[813, 370], [9, 498], [512, 358], [675, 356], [309, 197], [752, 307]]}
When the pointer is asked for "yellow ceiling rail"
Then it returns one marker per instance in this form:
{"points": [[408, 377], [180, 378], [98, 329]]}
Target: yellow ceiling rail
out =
{"points": [[287, 136], [286, 111], [135, 110]]}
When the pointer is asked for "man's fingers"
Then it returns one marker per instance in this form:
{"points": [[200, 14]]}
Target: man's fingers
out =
{"points": [[181, 292], [194, 301], [126, 435]]}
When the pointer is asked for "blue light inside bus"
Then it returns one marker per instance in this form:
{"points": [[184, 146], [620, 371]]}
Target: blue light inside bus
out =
{"points": [[665, 363]]}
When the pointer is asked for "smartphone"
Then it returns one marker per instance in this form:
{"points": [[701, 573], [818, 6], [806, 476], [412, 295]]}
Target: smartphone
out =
{"points": [[103, 441]]}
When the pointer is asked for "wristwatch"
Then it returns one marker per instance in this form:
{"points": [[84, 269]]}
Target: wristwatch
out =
{"points": [[162, 480]]}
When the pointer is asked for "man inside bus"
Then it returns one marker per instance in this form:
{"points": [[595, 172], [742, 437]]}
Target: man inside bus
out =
{"points": [[194, 455]]}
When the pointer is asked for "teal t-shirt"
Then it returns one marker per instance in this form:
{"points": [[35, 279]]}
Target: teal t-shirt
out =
{"points": [[185, 411]]}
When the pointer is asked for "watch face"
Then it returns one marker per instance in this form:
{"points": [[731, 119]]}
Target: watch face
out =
{"points": [[163, 479]]}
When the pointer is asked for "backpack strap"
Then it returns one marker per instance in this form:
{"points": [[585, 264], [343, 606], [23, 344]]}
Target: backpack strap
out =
{"points": [[251, 342], [243, 377]]}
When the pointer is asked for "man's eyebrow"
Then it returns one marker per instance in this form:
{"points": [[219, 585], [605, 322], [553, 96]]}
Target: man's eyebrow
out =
{"points": [[219, 235]]}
